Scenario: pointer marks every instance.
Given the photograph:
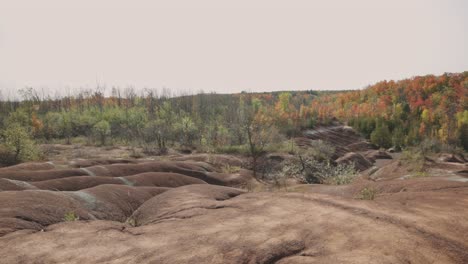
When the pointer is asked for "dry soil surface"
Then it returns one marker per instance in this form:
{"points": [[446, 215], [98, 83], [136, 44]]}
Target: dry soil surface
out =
{"points": [[188, 212]]}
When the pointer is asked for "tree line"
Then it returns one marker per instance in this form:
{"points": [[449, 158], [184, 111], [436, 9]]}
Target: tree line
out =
{"points": [[389, 113]]}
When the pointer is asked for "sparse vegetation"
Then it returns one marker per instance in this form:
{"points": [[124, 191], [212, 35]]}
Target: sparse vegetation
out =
{"points": [[230, 169], [70, 216], [102, 130], [314, 165], [131, 222], [420, 174], [17, 145], [368, 193], [253, 124], [414, 159]]}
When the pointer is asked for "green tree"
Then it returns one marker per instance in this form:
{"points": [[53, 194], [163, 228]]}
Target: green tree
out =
{"points": [[257, 125], [462, 122], [18, 142], [102, 130], [381, 136], [51, 128], [463, 135], [398, 138]]}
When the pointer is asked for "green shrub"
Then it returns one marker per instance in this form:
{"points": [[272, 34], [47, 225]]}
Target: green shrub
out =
{"points": [[102, 130], [230, 169], [131, 222], [7, 158], [233, 149], [381, 137], [311, 170], [414, 159], [420, 174], [17, 145], [321, 150], [367, 193], [70, 217]]}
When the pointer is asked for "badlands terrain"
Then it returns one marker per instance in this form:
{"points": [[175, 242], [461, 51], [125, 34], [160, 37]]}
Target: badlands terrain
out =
{"points": [[187, 208]]}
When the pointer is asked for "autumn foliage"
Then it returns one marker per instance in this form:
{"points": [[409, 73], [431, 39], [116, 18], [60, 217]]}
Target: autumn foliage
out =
{"points": [[389, 113]]}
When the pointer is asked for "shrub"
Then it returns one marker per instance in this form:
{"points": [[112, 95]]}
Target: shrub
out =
{"points": [[367, 193], [102, 130], [280, 146], [463, 136], [131, 222], [321, 150], [311, 170], [18, 145], [413, 158], [7, 158], [381, 137], [341, 174], [153, 150], [230, 169], [236, 149], [432, 145], [70, 217]]}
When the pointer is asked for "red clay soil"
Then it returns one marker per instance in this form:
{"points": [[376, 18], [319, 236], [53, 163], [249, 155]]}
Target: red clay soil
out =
{"points": [[373, 155], [360, 162], [30, 166], [198, 170], [115, 202], [174, 204], [345, 139], [383, 187], [41, 175], [411, 220], [161, 179], [457, 158], [36, 208], [212, 224], [217, 160], [11, 185], [149, 179], [82, 163], [75, 183]]}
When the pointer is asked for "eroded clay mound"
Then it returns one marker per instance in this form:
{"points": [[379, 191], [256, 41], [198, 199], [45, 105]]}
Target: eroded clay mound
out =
{"points": [[343, 138], [360, 162], [373, 155], [90, 162], [12, 185], [41, 175], [183, 202], [114, 202], [192, 169], [150, 179], [199, 170], [217, 160], [457, 158], [259, 228], [382, 188], [30, 166], [161, 179], [37, 209], [75, 183]]}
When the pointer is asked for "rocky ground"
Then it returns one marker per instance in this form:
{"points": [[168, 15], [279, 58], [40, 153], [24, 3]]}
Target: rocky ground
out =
{"points": [[190, 209]]}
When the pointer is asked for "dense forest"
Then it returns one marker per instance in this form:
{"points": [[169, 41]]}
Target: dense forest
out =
{"points": [[389, 113], [406, 112]]}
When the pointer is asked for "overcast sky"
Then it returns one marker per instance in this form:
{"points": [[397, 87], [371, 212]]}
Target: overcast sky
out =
{"points": [[228, 46]]}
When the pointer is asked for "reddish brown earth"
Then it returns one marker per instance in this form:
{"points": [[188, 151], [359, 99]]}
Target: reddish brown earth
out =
{"points": [[350, 146], [165, 212]]}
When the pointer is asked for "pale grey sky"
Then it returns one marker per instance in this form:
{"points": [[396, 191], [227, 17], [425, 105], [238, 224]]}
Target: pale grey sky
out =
{"points": [[228, 46]]}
